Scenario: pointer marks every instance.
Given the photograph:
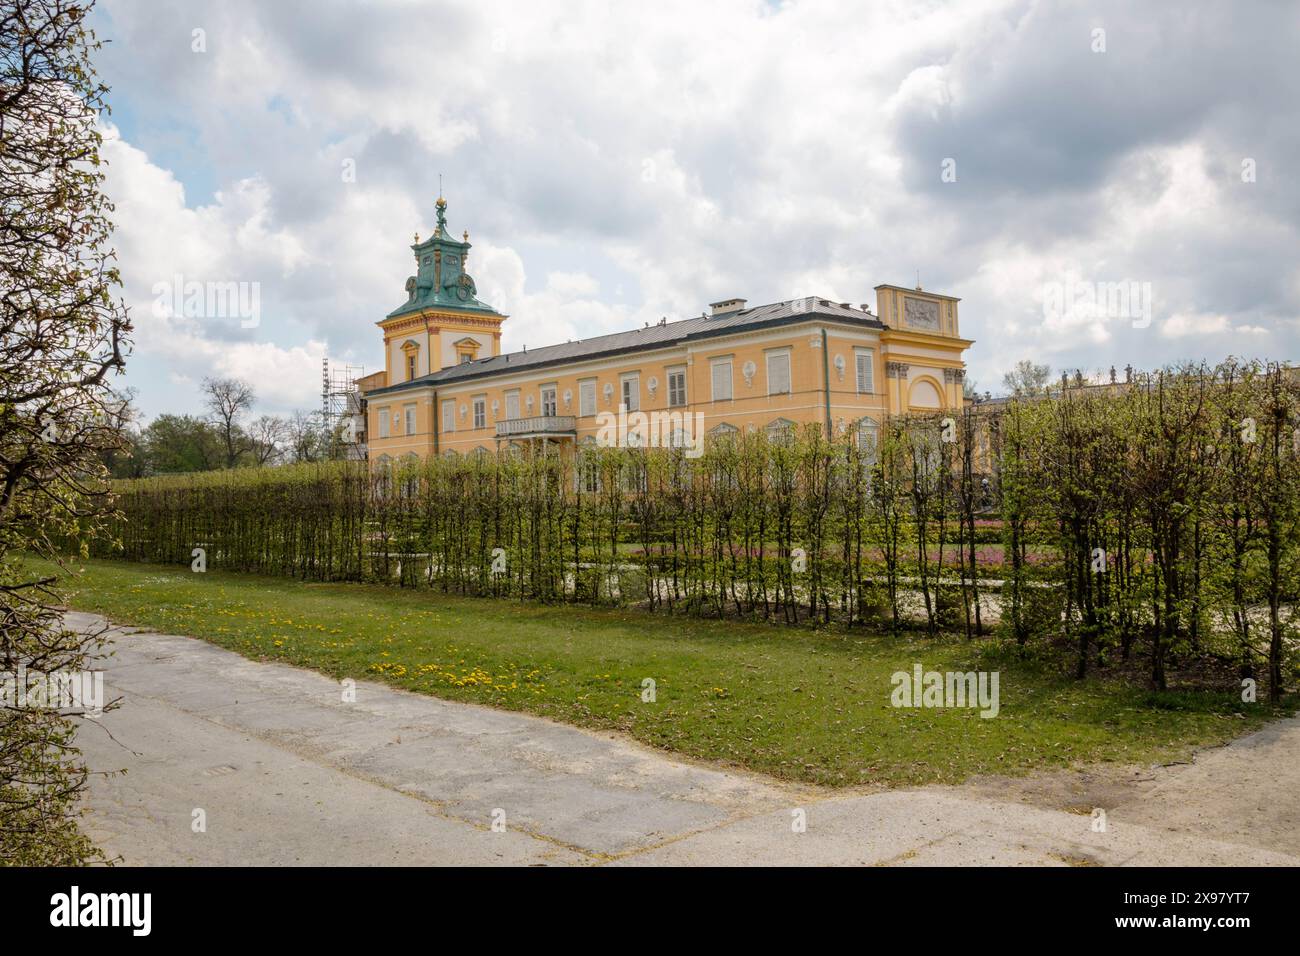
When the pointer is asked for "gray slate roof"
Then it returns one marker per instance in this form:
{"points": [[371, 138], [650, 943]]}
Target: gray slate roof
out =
{"points": [[639, 340]]}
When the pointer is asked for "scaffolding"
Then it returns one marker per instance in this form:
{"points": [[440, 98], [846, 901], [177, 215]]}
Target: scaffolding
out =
{"points": [[340, 404]]}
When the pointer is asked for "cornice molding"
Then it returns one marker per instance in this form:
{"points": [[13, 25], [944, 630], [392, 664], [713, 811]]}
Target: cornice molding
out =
{"points": [[419, 320]]}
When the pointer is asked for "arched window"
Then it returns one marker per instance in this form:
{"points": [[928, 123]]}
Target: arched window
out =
{"points": [[723, 432], [781, 430], [924, 395]]}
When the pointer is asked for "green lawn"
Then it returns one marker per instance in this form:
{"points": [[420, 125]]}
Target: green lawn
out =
{"points": [[802, 704]]}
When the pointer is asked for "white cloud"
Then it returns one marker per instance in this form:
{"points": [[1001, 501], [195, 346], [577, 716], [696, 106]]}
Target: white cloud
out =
{"points": [[159, 238], [1183, 324], [695, 152]]}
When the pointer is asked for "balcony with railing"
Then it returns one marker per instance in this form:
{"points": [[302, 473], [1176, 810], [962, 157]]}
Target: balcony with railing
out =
{"points": [[539, 426]]}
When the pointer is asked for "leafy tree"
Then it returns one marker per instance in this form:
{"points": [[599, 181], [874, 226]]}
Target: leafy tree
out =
{"points": [[304, 438], [1279, 511], [1027, 379], [180, 443], [126, 459], [266, 439], [228, 401], [62, 333]]}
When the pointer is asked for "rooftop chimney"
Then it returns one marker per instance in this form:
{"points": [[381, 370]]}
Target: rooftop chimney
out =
{"points": [[727, 306]]}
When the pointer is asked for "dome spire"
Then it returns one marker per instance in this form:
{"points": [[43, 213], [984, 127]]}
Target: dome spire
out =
{"points": [[442, 216]]}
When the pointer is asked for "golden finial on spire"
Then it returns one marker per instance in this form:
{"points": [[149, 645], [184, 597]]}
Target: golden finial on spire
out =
{"points": [[466, 236], [440, 230], [417, 238]]}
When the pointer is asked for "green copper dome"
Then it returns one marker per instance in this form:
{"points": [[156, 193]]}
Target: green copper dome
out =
{"points": [[440, 280]]}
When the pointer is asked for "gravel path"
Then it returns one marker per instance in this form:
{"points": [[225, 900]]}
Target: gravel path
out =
{"points": [[280, 770]]}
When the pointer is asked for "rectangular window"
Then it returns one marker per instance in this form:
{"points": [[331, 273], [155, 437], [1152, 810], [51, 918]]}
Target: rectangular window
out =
{"points": [[634, 477], [866, 370], [588, 473], [480, 411], [721, 380], [676, 387], [384, 421], [868, 440], [587, 397], [410, 365], [632, 392], [778, 373], [449, 415], [512, 404], [408, 412], [548, 400]]}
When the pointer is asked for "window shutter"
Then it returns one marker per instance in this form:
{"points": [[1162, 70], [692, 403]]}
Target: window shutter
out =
{"points": [[866, 384], [721, 381], [676, 389], [778, 374]]}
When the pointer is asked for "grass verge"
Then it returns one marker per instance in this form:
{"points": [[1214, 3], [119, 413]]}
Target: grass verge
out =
{"points": [[806, 705]]}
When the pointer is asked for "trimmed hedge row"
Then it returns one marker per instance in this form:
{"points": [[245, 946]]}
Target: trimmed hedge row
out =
{"points": [[1160, 519]]}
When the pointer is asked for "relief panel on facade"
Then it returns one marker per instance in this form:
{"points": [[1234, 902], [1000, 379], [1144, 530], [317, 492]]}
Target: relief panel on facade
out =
{"points": [[921, 314]]}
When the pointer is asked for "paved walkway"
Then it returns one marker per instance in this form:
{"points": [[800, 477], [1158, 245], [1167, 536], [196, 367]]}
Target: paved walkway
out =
{"points": [[285, 772]]}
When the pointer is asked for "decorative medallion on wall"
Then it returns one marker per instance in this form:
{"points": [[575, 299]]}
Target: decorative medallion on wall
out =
{"points": [[463, 410], [652, 386], [748, 370], [609, 392], [528, 403], [839, 366], [495, 406], [568, 398]]}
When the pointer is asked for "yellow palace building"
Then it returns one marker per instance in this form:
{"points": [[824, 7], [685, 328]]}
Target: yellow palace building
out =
{"points": [[447, 388]]}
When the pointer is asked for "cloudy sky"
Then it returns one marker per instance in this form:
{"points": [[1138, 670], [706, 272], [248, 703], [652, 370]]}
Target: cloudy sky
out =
{"points": [[619, 162]]}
